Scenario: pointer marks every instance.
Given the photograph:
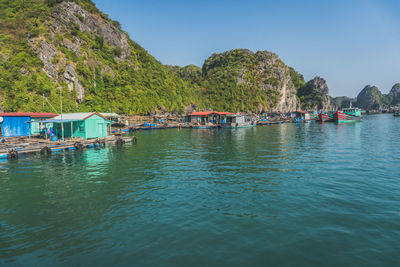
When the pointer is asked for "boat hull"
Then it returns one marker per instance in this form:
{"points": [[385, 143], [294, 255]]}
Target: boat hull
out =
{"points": [[341, 117], [322, 117]]}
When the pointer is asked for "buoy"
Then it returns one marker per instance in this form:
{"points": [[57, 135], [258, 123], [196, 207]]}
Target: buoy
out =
{"points": [[13, 154], [102, 143], [120, 141], [78, 145], [45, 150], [97, 143]]}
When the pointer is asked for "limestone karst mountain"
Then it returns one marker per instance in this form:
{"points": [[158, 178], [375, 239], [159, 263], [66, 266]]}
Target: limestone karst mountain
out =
{"points": [[52, 46]]}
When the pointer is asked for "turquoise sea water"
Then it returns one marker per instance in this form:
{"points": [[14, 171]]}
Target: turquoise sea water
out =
{"points": [[281, 195]]}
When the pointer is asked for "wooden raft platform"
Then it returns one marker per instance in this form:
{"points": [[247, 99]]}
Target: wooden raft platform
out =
{"points": [[14, 148]]}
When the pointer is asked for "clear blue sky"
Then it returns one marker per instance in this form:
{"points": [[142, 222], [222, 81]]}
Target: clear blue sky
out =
{"points": [[349, 43]]}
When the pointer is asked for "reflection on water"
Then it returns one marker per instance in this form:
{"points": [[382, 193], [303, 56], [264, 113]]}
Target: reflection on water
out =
{"points": [[290, 193]]}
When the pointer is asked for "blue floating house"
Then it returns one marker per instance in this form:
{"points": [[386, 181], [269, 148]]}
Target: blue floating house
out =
{"points": [[15, 124]]}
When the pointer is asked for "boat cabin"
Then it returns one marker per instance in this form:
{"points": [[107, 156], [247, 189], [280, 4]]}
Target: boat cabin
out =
{"points": [[352, 111]]}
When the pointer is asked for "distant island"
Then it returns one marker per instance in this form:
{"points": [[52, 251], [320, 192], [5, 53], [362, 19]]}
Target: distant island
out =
{"points": [[371, 98], [49, 47]]}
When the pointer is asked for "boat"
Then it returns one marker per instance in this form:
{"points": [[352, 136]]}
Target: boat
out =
{"points": [[205, 126], [238, 121], [396, 111], [347, 115], [202, 127], [326, 116]]}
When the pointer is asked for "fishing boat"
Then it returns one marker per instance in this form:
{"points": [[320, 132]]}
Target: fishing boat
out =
{"points": [[347, 115], [326, 116], [238, 121], [396, 112]]}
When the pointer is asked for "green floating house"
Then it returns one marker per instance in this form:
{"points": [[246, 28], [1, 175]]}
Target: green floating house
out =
{"points": [[79, 125]]}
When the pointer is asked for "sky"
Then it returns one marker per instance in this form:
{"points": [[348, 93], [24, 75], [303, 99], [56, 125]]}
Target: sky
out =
{"points": [[349, 43]]}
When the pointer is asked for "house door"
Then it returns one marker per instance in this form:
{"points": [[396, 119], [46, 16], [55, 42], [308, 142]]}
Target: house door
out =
{"points": [[100, 134]]}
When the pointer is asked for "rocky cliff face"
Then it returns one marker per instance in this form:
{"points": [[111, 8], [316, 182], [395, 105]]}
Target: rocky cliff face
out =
{"points": [[370, 98], [249, 81], [315, 95], [394, 95], [395, 91], [69, 19], [68, 16], [276, 78]]}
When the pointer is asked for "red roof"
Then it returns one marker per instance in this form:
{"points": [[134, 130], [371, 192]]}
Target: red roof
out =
{"points": [[201, 113], [29, 114], [206, 113], [224, 113], [95, 113]]}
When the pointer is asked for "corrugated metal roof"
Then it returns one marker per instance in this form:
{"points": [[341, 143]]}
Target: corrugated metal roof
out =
{"points": [[206, 113], [224, 113], [77, 116], [29, 114], [110, 115], [51, 121], [201, 113]]}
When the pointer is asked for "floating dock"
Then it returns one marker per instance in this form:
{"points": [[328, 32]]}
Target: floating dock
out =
{"points": [[14, 148]]}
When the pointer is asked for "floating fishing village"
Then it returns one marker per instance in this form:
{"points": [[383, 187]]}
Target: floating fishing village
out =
{"points": [[199, 133], [47, 133]]}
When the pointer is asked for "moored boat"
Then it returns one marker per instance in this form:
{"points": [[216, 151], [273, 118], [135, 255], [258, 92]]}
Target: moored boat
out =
{"points": [[205, 126], [396, 112], [202, 127], [347, 115], [326, 116]]}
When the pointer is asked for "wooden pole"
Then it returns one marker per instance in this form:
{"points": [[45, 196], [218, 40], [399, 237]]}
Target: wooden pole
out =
{"points": [[62, 124]]}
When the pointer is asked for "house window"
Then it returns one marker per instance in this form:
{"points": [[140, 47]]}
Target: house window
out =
{"points": [[81, 129]]}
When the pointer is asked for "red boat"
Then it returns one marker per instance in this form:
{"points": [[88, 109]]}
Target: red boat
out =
{"points": [[325, 117], [347, 115]]}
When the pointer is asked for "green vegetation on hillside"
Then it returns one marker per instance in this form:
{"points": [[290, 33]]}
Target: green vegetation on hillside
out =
{"points": [[240, 80], [137, 85], [237, 80]]}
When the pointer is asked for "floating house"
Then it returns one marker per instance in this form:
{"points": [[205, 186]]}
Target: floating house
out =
{"points": [[15, 124], [79, 125], [203, 117], [238, 121], [300, 115]]}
